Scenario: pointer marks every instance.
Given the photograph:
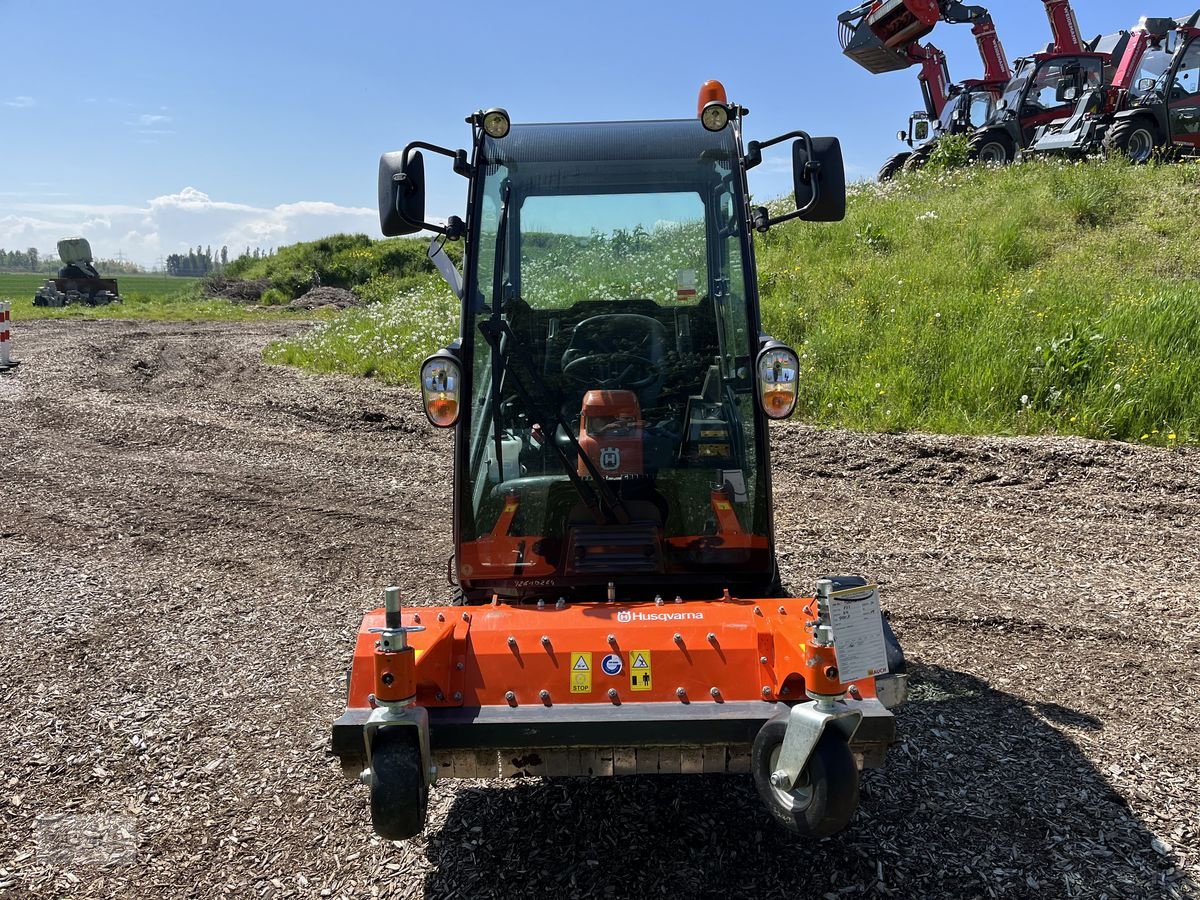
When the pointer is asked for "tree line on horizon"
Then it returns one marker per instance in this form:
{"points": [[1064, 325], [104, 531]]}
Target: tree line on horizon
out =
{"points": [[194, 264]]}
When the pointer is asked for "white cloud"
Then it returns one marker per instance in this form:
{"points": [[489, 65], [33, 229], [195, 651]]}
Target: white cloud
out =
{"points": [[148, 119], [174, 222], [21, 102]]}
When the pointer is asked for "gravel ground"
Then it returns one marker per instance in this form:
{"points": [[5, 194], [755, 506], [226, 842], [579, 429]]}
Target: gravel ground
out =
{"points": [[188, 538]]}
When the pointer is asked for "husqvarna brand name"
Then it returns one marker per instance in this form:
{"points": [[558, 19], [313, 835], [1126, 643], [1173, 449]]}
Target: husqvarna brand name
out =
{"points": [[628, 615]]}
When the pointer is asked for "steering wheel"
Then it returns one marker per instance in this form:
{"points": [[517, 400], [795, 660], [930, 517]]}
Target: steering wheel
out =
{"points": [[610, 371]]}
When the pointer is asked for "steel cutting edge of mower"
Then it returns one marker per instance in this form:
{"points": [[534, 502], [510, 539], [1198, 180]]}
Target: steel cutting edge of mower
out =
{"points": [[618, 606]]}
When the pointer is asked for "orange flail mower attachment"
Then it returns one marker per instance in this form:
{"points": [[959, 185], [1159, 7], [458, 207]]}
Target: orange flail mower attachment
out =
{"points": [[695, 652]]}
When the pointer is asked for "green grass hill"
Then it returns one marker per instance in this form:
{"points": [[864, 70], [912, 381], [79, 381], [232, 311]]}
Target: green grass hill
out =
{"points": [[1041, 298]]}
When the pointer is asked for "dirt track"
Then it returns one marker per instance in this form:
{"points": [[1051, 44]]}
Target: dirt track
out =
{"points": [[188, 537]]}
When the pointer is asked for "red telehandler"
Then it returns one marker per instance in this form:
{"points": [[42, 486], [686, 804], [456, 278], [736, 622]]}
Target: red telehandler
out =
{"points": [[873, 35], [1167, 116], [1046, 86], [1147, 59]]}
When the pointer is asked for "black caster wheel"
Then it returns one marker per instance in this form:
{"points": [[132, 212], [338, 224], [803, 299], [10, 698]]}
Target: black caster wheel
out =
{"points": [[825, 796], [398, 790]]}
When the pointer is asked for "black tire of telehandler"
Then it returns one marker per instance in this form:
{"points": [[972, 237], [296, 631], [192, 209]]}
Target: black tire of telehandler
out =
{"points": [[399, 794], [831, 798], [893, 166], [992, 148], [1136, 139], [920, 157]]}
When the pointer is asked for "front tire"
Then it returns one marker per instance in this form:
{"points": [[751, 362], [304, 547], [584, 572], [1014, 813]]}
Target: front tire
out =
{"points": [[398, 791], [992, 148], [920, 158], [825, 797], [1135, 139], [893, 166]]}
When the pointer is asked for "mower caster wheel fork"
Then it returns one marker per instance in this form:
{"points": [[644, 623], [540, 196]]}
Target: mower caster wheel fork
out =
{"points": [[823, 799], [399, 789]]}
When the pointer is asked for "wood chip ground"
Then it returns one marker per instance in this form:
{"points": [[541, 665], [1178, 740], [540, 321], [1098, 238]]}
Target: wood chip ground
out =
{"points": [[188, 538]]}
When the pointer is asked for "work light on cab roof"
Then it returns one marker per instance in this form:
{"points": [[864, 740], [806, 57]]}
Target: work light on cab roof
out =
{"points": [[611, 393], [713, 106]]}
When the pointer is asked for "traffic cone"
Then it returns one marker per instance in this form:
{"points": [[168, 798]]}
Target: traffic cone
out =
{"points": [[6, 360]]}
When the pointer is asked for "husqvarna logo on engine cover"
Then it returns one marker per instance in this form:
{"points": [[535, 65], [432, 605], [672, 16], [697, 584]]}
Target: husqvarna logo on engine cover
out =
{"points": [[610, 458], [626, 615]]}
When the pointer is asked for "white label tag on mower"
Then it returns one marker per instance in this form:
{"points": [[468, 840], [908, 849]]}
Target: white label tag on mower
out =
{"points": [[858, 634]]}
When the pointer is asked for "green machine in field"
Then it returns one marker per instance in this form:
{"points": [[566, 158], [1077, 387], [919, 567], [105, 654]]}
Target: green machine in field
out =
{"points": [[77, 281]]}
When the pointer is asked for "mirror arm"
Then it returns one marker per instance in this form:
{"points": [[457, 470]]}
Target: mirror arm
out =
{"points": [[454, 227], [761, 219], [754, 149]]}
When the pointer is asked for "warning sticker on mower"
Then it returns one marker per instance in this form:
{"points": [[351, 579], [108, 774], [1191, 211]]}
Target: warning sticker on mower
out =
{"points": [[639, 670], [581, 673], [858, 634]]}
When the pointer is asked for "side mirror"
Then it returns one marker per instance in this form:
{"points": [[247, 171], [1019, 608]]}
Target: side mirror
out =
{"points": [[1066, 91], [401, 193], [819, 176], [1146, 84], [902, 136], [922, 130], [1002, 104]]}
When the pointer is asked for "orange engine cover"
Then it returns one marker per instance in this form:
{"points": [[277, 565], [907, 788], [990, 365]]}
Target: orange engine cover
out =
{"points": [[610, 433]]}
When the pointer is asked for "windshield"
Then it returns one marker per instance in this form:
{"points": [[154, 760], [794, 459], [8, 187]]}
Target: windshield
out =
{"points": [[975, 107], [1153, 67], [612, 425], [1016, 87], [948, 111]]}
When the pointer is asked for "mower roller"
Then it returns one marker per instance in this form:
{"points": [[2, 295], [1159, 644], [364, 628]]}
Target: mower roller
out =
{"points": [[618, 608]]}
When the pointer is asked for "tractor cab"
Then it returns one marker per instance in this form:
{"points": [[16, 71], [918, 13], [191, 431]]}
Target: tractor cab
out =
{"points": [[617, 608], [615, 389]]}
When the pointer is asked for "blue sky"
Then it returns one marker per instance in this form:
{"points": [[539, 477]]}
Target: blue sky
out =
{"points": [[168, 125]]}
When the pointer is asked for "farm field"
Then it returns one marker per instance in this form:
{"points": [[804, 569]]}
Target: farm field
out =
{"points": [[148, 297], [191, 535]]}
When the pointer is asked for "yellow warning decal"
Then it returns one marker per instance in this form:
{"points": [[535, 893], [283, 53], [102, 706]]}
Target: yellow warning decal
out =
{"points": [[639, 670], [581, 673], [724, 505]]}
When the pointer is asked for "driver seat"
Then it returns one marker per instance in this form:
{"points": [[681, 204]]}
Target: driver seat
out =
{"points": [[622, 333]]}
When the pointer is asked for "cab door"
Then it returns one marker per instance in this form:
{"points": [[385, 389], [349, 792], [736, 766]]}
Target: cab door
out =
{"points": [[1184, 98], [1047, 98]]}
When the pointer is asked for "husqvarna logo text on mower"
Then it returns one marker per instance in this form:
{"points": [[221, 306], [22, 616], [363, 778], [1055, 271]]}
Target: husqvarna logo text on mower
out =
{"points": [[626, 615], [610, 458]]}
